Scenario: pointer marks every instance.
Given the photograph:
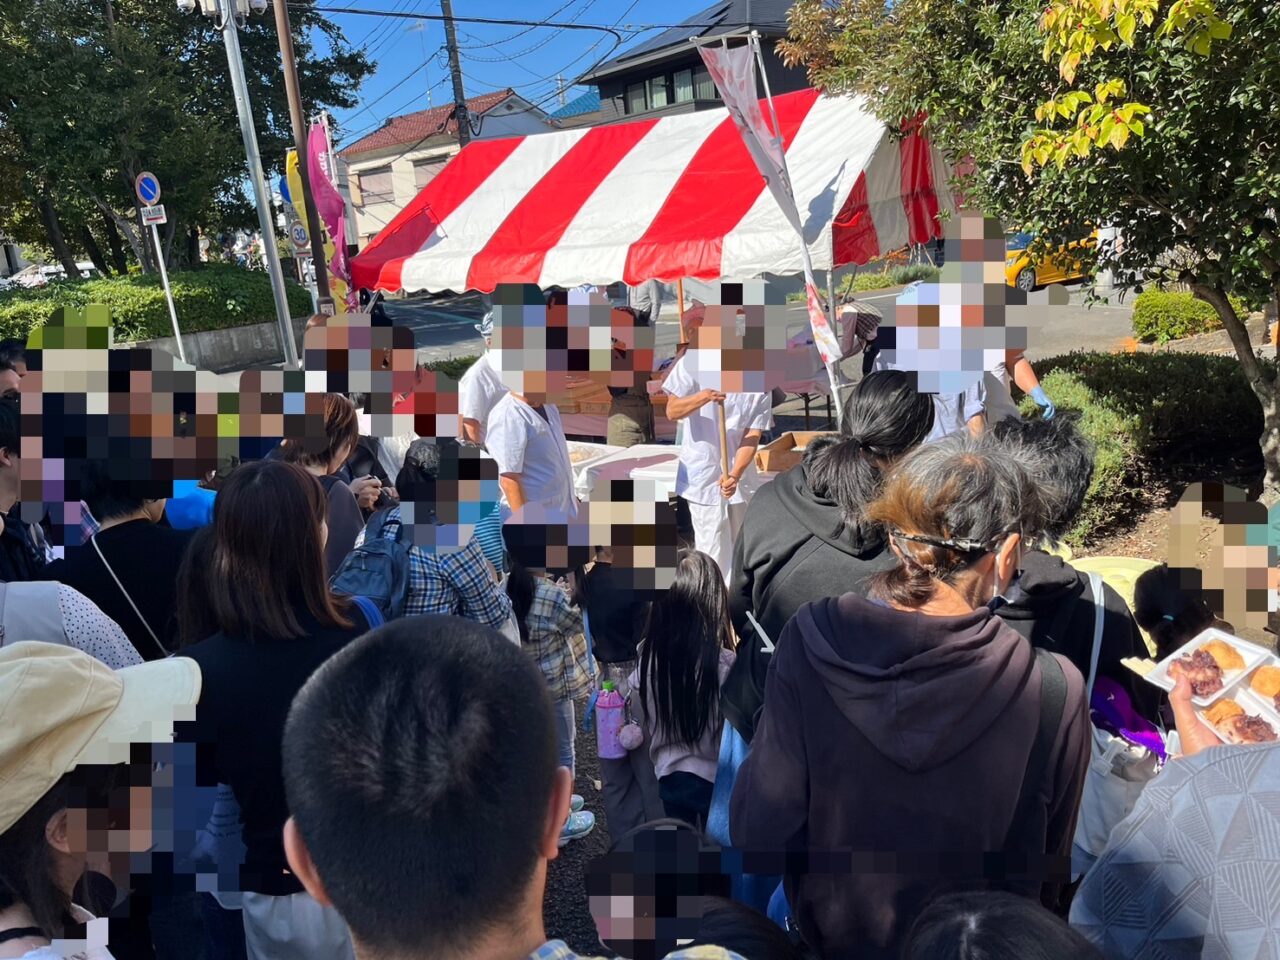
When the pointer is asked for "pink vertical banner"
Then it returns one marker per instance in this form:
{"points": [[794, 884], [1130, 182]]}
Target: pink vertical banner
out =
{"points": [[330, 207]]}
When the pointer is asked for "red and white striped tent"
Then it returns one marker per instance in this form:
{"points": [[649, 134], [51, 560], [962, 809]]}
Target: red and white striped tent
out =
{"points": [[661, 199]]}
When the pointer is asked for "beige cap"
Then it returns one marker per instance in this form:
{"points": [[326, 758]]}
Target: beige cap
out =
{"points": [[59, 708]]}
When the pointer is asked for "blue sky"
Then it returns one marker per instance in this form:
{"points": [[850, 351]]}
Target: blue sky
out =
{"points": [[412, 70]]}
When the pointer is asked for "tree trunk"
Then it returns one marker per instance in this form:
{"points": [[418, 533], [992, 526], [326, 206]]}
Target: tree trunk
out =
{"points": [[133, 232], [53, 231], [147, 255], [170, 229], [95, 252], [1262, 380], [115, 245]]}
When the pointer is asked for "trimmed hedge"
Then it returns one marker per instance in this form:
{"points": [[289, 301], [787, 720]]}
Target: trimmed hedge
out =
{"points": [[454, 367], [215, 297], [863, 282], [925, 272], [1145, 413], [1164, 315]]}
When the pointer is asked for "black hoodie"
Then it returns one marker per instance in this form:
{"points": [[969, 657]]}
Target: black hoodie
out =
{"points": [[1052, 605], [793, 548], [894, 745]]}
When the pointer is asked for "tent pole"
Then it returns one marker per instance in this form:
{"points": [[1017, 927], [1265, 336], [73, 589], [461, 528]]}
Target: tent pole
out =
{"points": [[680, 305]]}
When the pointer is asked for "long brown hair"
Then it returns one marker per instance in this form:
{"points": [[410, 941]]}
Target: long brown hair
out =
{"points": [[341, 431], [27, 873], [263, 560]]}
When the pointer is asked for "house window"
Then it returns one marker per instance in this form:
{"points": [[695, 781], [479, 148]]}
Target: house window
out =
{"points": [[636, 102], [658, 95], [424, 171], [704, 87], [376, 187], [683, 82]]}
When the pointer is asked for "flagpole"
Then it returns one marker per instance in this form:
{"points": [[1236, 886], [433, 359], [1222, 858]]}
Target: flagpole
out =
{"points": [[754, 40]]}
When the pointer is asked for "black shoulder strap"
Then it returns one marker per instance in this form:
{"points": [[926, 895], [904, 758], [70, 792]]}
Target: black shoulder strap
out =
{"points": [[1053, 701]]}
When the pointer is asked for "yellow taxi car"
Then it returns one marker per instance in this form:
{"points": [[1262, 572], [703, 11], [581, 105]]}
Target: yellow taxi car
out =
{"points": [[1059, 266]]}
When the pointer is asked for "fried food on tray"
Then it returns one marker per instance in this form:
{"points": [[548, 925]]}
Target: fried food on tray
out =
{"points": [[1223, 711], [1230, 720], [1227, 656], [1266, 682]]}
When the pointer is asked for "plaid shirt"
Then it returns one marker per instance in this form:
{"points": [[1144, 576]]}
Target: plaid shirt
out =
{"points": [[556, 642], [452, 582], [559, 950]]}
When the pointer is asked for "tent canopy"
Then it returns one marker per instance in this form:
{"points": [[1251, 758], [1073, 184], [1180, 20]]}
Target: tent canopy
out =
{"points": [[661, 199]]}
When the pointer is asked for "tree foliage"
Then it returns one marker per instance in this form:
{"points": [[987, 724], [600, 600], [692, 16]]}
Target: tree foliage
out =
{"points": [[1194, 198], [92, 92]]}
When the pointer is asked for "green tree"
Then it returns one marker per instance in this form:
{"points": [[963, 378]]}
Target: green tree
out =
{"points": [[92, 92], [1193, 192]]}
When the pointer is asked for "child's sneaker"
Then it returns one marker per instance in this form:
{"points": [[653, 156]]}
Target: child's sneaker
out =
{"points": [[577, 826], [576, 803]]}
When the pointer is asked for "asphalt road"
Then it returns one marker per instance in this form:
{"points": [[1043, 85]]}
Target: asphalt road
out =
{"points": [[446, 329]]}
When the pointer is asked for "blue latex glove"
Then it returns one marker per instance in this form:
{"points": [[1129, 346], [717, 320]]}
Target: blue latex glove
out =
{"points": [[1042, 400]]}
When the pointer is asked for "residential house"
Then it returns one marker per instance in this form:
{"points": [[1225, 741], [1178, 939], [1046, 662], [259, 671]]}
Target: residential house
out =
{"points": [[389, 167], [582, 111], [665, 75]]}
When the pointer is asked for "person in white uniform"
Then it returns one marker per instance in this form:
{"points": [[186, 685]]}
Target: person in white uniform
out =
{"points": [[717, 503], [526, 438], [999, 402], [480, 388]]}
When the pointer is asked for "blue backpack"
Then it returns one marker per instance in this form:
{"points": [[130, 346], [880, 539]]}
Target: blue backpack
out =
{"points": [[378, 569]]}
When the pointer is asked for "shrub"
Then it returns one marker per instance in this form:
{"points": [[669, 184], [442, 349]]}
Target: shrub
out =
{"points": [[212, 298], [1147, 413], [925, 272], [1164, 315], [454, 367], [872, 281]]}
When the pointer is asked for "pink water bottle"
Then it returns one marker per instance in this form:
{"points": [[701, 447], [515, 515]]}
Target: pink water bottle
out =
{"points": [[611, 714]]}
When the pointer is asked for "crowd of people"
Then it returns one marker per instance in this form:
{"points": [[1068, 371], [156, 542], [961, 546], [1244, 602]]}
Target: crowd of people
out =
{"points": [[270, 720]]}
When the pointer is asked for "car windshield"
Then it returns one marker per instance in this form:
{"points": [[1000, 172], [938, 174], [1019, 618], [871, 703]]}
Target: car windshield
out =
{"points": [[1017, 241]]}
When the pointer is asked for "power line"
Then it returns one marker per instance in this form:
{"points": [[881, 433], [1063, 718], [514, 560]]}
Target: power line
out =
{"points": [[495, 21], [385, 93], [519, 33]]}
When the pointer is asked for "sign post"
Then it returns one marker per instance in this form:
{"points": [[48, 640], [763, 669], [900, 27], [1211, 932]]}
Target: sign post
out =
{"points": [[147, 187]]}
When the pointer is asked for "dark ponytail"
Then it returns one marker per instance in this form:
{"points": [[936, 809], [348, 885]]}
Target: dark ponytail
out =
{"points": [[884, 418], [1169, 604], [521, 588]]}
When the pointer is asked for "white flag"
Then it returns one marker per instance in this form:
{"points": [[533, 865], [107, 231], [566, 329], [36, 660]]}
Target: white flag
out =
{"points": [[734, 71]]}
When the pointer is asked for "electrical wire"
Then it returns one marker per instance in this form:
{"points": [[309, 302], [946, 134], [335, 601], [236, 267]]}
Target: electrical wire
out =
{"points": [[503, 22]]}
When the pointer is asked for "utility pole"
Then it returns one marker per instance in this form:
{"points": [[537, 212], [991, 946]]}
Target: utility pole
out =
{"points": [[294, 93], [560, 88], [270, 255], [455, 69]]}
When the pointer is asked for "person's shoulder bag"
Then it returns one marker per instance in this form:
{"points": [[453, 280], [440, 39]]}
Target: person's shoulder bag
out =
{"points": [[1118, 769]]}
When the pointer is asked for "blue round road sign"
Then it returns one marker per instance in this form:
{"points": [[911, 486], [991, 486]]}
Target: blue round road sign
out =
{"points": [[147, 186]]}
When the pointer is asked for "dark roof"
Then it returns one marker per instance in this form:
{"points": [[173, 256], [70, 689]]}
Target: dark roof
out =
{"points": [[727, 16], [589, 102], [422, 125]]}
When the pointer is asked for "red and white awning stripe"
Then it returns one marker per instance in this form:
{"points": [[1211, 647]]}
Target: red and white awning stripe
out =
{"points": [[660, 199]]}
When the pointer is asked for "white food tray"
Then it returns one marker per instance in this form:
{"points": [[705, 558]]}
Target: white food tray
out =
{"points": [[1253, 656]]}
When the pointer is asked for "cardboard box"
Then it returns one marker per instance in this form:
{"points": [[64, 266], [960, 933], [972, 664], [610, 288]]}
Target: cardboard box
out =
{"points": [[787, 451]]}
